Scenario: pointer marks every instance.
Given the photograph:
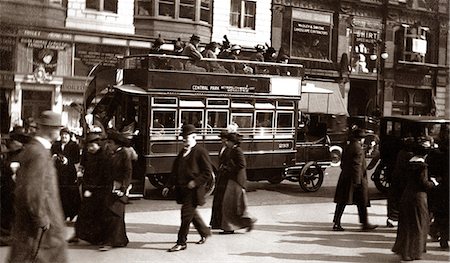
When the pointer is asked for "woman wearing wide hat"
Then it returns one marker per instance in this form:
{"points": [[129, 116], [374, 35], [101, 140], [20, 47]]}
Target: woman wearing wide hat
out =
{"points": [[413, 220], [234, 205]]}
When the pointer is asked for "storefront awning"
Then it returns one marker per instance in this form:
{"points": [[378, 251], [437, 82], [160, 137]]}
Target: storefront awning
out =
{"points": [[322, 97]]}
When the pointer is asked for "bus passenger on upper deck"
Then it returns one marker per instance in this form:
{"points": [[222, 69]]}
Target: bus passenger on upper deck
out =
{"points": [[157, 62], [191, 51], [210, 52]]}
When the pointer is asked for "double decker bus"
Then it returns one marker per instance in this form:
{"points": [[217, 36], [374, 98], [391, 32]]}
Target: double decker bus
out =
{"points": [[153, 102]]}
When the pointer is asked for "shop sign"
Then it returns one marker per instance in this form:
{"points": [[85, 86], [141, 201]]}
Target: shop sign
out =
{"points": [[44, 44], [365, 36], [310, 40], [91, 54], [46, 35], [6, 80], [74, 85]]}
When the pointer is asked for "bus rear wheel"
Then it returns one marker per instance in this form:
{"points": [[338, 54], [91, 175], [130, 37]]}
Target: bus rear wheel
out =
{"points": [[157, 180], [311, 177]]}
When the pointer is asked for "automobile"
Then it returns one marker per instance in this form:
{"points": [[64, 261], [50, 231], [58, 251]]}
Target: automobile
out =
{"points": [[393, 129]]}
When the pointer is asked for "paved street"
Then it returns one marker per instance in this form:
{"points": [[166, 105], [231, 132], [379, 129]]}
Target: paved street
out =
{"points": [[285, 232]]}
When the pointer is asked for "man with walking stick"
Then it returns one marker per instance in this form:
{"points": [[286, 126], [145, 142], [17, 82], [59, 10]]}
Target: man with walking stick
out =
{"points": [[38, 230]]}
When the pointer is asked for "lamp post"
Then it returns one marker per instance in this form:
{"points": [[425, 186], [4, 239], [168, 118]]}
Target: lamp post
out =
{"points": [[379, 59]]}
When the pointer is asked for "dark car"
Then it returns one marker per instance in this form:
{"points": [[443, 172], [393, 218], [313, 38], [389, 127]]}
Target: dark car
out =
{"points": [[395, 128]]}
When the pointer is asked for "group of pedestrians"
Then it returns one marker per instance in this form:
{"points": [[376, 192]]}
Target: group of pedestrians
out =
{"points": [[192, 169], [413, 178]]}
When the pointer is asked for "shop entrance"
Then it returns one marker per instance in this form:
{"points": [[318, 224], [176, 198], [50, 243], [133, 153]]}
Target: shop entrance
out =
{"points": [[362, 98], [34, 102]]}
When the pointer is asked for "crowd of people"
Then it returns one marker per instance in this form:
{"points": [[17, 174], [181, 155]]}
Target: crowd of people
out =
{"points": [[48, 182], [212, 51]]}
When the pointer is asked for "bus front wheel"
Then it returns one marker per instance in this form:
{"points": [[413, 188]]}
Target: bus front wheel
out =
{"points": [[311, 177]]}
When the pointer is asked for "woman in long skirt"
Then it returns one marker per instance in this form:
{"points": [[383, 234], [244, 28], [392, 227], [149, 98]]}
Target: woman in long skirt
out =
{"points": [[413, 221], [234, 204]]}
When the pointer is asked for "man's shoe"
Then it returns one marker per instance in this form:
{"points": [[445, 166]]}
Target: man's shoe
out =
{"points": [[73, 239], [201, 241], [251, 226], [443, 243], [338, 228], [368, 227], [227, 232], [104, 248], [177, 248], [389, 223]]}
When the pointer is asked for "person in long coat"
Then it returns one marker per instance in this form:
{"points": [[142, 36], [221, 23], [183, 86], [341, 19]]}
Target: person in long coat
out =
{"points": [[191, 51], [234, 205], [115, 234], [352, 186], [38, 230], [96, 164], [413, 221], [66, 154], [216, 211], [398, 179], [190, 172]]}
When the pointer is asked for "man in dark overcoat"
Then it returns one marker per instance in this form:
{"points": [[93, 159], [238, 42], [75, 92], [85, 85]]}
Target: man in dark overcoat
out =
{"points": [[38, 230], [66, 154], [190, 172], [352, 186]]}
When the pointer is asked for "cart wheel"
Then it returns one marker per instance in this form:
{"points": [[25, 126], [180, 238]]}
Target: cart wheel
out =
{"points": [[311, 177], [157, 180], [380, 178]]}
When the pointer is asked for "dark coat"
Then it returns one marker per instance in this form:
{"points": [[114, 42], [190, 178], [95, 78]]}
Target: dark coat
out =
{"points": [[67, 176], [352, 186], [236, 166], [221, 184], [195, 166], [37, 204], [413, 222], [89, 225]]}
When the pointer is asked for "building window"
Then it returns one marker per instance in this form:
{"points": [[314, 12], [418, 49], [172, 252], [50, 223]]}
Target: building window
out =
{"points": [[7, 53], [167, 8], [205, 10], [243, 14], [311, 34], [102, 5], [364, 43], [412, 44], [187, 9], [144, 8]]}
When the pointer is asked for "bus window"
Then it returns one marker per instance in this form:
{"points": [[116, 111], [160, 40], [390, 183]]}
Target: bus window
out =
{"points": [[218, 103], [194, 117], [285, 120], [163, 120], [217, 120], [264, 119], [243, 120]]}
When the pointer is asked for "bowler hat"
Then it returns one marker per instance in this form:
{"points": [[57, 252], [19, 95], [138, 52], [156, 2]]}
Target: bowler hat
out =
{"points": [[64, 130], [358, 133], [188, 129], [195, 37], [93, 136], [117, 137], [234, 137], [49, 118]]}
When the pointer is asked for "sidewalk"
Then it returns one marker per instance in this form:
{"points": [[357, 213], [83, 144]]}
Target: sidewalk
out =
{"points": [[283, 233]]}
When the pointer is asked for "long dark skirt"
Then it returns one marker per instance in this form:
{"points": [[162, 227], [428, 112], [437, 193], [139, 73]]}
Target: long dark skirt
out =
{"points": [[115, 231], [90, 222], [413, 226], [234, 208], [70, 198], [216, 213]]}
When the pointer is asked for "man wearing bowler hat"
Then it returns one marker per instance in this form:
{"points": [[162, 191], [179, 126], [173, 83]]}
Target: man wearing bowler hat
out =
{"points": [[191, 170], [352, 186], [38, 231], [191, 51]]}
